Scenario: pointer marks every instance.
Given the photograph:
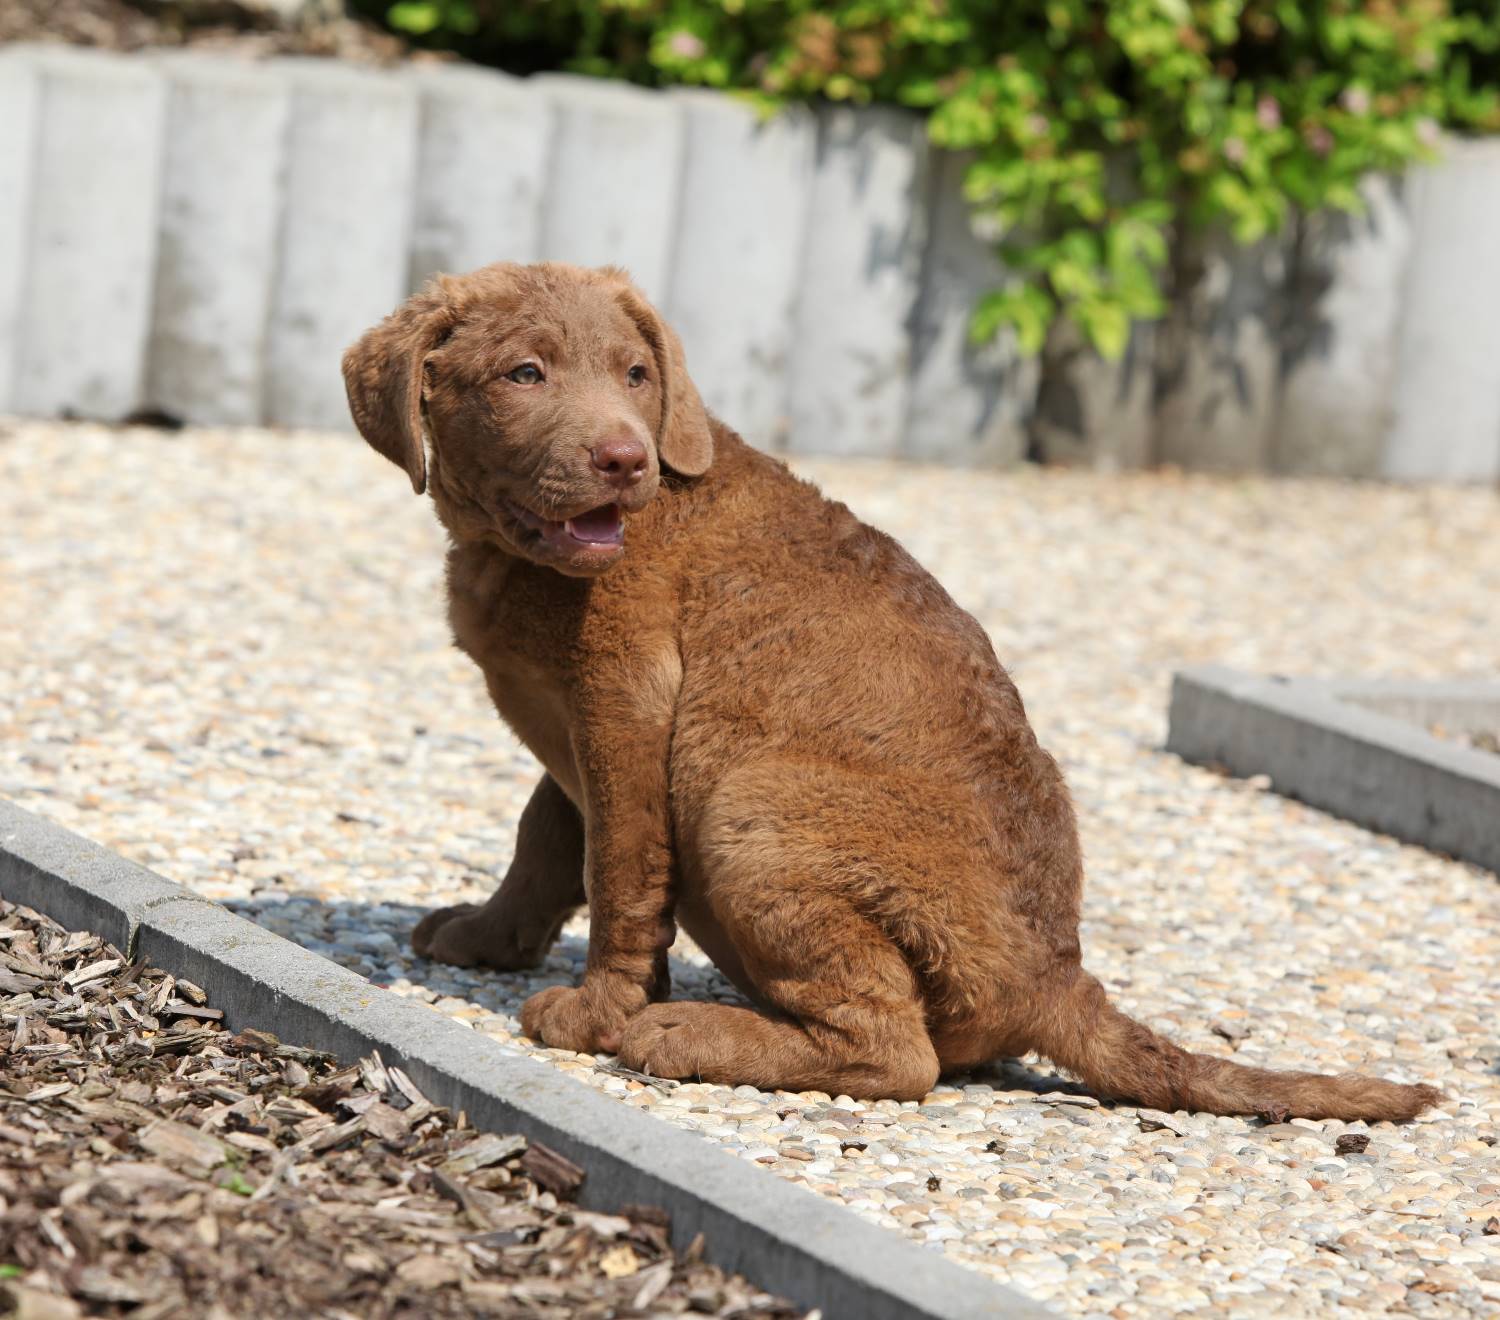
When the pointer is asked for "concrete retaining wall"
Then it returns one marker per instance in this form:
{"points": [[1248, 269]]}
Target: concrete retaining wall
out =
{"points": [[202, 236]]}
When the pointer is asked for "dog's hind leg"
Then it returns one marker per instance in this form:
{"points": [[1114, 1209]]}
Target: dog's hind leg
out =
{"points": [[542, 888], [844, 1012]]}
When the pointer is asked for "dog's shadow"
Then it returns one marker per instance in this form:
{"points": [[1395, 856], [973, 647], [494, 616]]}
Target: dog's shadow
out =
{"points": [[374, 940]]}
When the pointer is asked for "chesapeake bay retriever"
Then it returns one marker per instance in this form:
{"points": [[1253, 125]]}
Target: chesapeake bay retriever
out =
{"points": [[760, 719]]}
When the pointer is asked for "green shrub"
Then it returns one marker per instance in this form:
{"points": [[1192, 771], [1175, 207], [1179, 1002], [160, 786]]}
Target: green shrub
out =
{"points": [[1097, 129]]}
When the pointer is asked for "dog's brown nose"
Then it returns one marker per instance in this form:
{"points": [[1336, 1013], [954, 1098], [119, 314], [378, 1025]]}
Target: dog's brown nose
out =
{"points": [[621, 460]]}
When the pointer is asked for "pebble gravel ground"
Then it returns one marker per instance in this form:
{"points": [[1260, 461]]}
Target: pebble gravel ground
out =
{"points": [[223, 654]]}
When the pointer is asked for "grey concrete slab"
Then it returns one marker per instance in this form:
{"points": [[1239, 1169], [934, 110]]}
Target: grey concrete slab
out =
{"points": [[781, 1236], [345, 243], [612, 193], [1447, 394], [849, 382], [1218, 359], [1340, 747], [92, 246], [1343, 317], [226, 142], [1093, 413], [481, 170], [970, 405], [745, 190], [20, 101]]}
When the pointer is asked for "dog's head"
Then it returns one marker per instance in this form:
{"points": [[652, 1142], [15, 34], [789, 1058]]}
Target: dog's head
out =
{"points": [[539, 405]]}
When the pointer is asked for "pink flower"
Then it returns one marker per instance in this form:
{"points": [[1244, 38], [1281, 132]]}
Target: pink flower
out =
{"points": [[1268, 113], [686, 45], [1318, 138], [1234, 150], [1355, 100]]}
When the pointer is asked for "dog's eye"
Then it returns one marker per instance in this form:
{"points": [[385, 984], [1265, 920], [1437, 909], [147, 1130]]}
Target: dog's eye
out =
{"points": [[636, 375], [528, 373]]}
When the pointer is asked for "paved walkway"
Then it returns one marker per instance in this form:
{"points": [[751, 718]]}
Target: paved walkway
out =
{"points": [[223, 654]]}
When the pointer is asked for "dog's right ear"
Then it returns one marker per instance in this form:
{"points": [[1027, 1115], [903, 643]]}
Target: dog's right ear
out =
{"points": [[383, 376]]}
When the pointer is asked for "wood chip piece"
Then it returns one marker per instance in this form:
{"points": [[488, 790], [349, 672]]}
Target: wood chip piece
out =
{"points": [[100, 1286], [454, 1190], [93, 972], [490, 1148], [331, 1136], [372, 1072], [1352, 1143], [182, 1147], [178, 1008], [407, 1087], [619, 1263], [552, 1172], [48, 1092], [428, 1270], [1153, 1120], [385, 1123], [34, 1304], [190, 991], [608, 1227], [653, 1281]]}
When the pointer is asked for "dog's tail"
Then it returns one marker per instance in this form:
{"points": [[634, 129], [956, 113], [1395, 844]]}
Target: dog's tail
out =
{"points": [[1121, 1059]]}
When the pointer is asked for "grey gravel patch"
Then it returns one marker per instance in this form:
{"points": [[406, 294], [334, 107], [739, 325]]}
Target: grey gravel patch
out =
{"points": [[224, 656]]}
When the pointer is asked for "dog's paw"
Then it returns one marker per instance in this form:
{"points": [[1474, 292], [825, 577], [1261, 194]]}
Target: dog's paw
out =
{"points": [[666, 1040], [468, 936], [583, 1020]]}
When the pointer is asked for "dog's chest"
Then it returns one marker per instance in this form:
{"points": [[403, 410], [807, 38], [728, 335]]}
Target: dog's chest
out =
{"points": [[520, 634], [539, 713]]}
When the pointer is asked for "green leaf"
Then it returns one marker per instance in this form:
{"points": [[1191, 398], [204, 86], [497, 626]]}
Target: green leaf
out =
{"points": [[418, 17], [1026, 308], [11, 1271], [1107, 326]]}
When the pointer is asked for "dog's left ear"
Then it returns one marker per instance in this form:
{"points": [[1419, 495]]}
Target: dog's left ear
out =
{"points": [[684, 441], [383, 375]]}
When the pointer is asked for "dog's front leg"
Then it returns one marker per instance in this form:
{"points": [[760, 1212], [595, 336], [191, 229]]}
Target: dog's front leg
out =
{"points": [[621, 741], [542, 888]]}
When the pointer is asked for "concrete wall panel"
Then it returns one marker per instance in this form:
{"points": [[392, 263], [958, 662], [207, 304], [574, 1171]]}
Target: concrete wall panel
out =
{"points": [[613, 188], [1447, 389], [482, 166], [746, 188], [86, 308], [344, 252], [220, 215], [849, 380]]}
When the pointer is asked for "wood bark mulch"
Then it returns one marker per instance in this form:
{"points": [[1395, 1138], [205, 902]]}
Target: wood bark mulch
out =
{"points": [[154, 1164]]}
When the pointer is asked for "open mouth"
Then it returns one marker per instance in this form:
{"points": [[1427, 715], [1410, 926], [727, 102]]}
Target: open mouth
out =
{"points": [[595, 530]]}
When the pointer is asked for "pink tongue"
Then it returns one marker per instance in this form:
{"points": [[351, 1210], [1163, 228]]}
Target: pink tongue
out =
{"points": [[597, 524]]}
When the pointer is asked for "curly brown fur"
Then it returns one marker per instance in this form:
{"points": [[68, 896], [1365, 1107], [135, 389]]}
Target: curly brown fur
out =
{"points": [[760, 718]]}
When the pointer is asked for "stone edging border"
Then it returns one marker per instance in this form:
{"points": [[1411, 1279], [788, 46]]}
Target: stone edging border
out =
{"points": [[783, 1238], [1356, 748]]}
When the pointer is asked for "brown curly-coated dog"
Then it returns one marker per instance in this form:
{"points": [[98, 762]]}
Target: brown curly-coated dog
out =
{"points": [[759, 718]]}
